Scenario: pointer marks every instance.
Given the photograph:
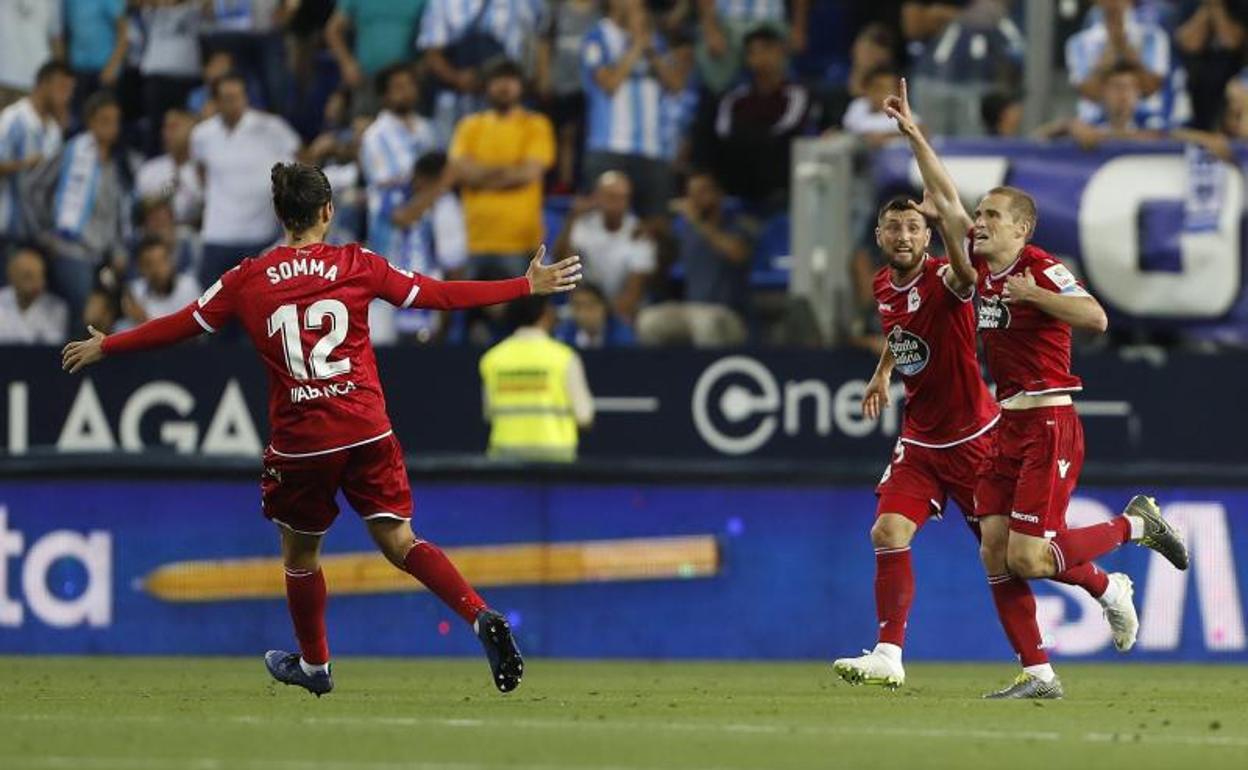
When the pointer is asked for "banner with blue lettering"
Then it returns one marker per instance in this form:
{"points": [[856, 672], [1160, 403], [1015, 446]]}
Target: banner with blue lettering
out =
{"points": [[637, 571], [1155, 229]]}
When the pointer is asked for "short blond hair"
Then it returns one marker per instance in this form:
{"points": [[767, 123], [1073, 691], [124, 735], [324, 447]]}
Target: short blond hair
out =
{"points": [[1022, 207]]}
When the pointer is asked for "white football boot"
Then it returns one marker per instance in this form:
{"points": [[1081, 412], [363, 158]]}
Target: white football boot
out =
{"points": [[872, 667], [1120, 611]]}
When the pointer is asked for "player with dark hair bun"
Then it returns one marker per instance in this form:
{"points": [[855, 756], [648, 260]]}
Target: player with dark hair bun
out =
{"points": [[305, 307]]}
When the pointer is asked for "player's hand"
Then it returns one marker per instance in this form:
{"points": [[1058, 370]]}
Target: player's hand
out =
{"points": [[1020, 289], [82, 353], [898, 108], [553, 279], [875, 398], [927, 208]]}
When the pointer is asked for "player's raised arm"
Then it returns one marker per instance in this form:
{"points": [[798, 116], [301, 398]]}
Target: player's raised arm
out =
{"points": [[156, 333], [1058, 294], [405, 289], [962, 275], [937, 182]]}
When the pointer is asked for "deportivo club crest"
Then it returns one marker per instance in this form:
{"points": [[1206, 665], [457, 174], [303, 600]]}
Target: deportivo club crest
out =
{"points": [[909, 350]]}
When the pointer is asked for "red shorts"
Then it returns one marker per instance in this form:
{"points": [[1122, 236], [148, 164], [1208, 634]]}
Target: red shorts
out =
{"points": [[299, 492], [1032, 474], [921, 479]]}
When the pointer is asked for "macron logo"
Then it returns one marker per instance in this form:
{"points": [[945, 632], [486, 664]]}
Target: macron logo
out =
{"points": [[1062, 467]]}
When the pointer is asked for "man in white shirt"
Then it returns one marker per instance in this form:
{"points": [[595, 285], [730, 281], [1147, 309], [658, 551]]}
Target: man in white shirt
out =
{"points": [[31, 34], [160, 289], [29, 315], [174, 175], [30, 135], [237, 148], [617, 252]]}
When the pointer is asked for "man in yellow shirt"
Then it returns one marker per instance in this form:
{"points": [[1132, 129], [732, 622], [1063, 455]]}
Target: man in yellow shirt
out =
{"points": [[498, 157], [535, 394]]}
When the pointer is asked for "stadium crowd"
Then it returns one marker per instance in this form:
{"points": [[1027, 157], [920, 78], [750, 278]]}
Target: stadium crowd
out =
{"points": [[653, 137]]}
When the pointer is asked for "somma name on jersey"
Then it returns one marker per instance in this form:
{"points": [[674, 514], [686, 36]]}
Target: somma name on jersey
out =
{"points": [[293, 268]]}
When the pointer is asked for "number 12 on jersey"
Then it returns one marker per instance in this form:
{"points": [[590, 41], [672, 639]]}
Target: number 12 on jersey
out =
{"points": [[286, 321]]}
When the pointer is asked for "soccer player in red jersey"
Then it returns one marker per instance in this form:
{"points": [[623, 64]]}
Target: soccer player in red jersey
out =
{"points": [[927, 313], [305, 307], [1029, 303]]}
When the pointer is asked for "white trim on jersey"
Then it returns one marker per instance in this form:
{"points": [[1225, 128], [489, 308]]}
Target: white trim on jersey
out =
{"points": [[1049, 392], [913, 283], [944, 271], [332, 450], [281, 523], [200, 319], [384, 515], [996, 418], [411, 296]]}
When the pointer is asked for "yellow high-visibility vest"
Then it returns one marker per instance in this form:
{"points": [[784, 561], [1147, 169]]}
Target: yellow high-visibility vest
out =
{"points": [[526, 389]]}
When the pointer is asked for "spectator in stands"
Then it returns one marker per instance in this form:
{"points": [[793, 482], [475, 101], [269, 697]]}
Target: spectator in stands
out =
{"points": [[384, 33], [1121, 38], [171, 64], [865, 115], [156, 220], [104, 305], [29, 135], [749, 142], [723, 25], [98, 42], [216, 65], [980, 51], [81, 201], [160, 288], [1121, 115], [617, 252], [460, 37], [535, 395], [236, 148], [1210, 42], [433, 242], [872, 49], [1002, 114], [29, 315], [558, 81], [390, 148], [499, 157], [252, 31], [715, 248], [174, 175], [30, 35], [627, 68], [591, 323]]}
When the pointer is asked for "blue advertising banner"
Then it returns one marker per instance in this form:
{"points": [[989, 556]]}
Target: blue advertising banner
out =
{"points": [[209, 399], [649, 571], [1155, 229]]}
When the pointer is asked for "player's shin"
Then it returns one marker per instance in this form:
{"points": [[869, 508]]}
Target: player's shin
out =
{"points": [[1016, 608], [306, 597], [1086, 576], [426, 562], [894, 594], [1074, 547]]}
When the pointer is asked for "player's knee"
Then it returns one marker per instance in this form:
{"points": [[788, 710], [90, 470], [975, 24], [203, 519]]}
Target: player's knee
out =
{"points": [[992, 555], [891, 531], [1027, 564]]}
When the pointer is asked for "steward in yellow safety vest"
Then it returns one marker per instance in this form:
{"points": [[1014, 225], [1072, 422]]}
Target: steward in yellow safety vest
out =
{"points": [[535, 394]]}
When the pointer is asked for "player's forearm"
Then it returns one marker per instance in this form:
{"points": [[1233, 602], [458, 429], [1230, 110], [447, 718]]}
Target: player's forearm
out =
{"points": [[936, 179], [1080, 312], [964, 273], [884, 368], [156, 333], [461, 295]]}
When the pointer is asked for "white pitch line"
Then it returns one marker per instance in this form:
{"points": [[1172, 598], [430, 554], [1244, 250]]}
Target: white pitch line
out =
{"points": [[637, 726]]}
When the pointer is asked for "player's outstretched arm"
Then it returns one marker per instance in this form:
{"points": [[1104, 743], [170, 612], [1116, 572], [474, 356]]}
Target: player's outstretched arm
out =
{"points": [[556, 278], [1080, 310], [936, 179], [156, 333], [961, 279], [876, 396]]}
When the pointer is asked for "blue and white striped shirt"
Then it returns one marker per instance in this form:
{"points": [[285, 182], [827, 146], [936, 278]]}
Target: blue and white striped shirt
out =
{"points": [[1084, 50], [388, 153], [22, 135], [750, 10], [511, 22], [629, 121]]}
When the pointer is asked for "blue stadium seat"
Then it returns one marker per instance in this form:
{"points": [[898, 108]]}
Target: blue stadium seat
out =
{"points": [[772, 254]]}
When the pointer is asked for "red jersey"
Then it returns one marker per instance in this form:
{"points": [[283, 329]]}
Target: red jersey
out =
{"points": [[1028, 350], [306, 311], [931, 333]]}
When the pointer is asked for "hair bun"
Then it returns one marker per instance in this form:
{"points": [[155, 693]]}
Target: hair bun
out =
{"points": [[280, 176]]}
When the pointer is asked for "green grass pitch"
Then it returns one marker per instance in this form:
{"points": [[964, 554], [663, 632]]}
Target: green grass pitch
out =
{"points": [[221, 713]]}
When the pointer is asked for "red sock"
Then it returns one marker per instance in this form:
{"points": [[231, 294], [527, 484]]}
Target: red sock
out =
{"points": [[305, 596], [894, 592], [1016, 607], [1079, 546], [1087, 576], [429, 565]]}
